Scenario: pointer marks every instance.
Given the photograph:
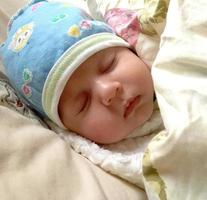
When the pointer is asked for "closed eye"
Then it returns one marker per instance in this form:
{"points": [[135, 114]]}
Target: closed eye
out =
{"points": [[84, 101], [108, 66]]}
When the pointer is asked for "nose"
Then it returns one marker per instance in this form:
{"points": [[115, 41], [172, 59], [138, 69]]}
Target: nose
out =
{"points": [[107, 90]]}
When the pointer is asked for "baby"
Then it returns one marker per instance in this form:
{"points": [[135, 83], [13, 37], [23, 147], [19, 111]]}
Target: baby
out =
{"points": [[77, 72]]}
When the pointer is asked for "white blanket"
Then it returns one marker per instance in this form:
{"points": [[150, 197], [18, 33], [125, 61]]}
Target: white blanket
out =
{"points": [[123, 158]]}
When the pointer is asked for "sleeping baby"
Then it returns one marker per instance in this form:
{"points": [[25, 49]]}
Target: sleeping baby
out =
{"points": [[77, 72]]}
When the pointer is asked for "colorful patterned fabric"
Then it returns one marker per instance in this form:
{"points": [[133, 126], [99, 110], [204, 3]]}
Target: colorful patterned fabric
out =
{"points": [[125, 23], [46, 42], [139, 22], [9, 99]]}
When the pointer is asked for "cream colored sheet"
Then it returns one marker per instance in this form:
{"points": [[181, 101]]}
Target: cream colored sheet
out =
{"points": [[36, 164], [175, 162]]}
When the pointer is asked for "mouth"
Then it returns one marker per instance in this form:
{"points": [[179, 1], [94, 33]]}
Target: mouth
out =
{"points": [[131, 105]]}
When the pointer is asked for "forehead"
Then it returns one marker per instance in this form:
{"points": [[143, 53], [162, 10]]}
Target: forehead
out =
{"points": [[96, 60]]}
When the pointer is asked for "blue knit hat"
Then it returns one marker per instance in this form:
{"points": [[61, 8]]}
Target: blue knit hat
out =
{"points": [[46, 43]]}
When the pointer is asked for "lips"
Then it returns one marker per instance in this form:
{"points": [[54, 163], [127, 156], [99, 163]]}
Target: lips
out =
{"points": [[131, 105]]}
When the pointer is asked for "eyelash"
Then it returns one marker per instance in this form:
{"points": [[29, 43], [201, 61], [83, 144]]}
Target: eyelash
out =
{"points": [[109, 66], [85, 103]]}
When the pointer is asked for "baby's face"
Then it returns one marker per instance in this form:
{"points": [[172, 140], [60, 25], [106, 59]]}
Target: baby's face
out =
{"points": [[108, 96]]}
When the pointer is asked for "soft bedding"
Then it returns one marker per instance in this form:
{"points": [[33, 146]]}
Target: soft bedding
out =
{"points": [[174, 163]]}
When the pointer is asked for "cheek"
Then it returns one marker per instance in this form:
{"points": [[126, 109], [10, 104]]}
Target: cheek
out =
{"points": [[103, 127], [143, 79], [132, 72]]}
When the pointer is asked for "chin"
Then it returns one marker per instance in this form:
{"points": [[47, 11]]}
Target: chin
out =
{"points": [[117, 137], [109, 141]]}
